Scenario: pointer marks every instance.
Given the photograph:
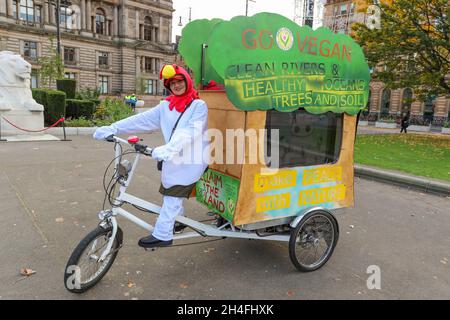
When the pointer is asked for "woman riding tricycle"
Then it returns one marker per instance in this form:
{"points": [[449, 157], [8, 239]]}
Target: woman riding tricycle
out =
{"points": [[270, 157]]}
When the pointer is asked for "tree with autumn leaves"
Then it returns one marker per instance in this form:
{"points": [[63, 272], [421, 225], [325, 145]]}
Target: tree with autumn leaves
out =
{"points": [[412, 46]]}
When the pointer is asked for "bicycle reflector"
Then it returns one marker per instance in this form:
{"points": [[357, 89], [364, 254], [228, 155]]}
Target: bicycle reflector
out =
{"points": [[133, 139]]}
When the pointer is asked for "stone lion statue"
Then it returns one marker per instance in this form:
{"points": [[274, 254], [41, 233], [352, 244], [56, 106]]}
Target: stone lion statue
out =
{"points": [[15, 91]]}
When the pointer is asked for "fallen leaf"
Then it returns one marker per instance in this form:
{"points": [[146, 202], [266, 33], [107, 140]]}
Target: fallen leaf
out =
{"points": [[184, 286], [131, 284], [290, 293], [27, 272], [59, 220]]}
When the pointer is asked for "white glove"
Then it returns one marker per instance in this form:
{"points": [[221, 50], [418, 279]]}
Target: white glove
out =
{"points": [[161, 154], [103, 132]]}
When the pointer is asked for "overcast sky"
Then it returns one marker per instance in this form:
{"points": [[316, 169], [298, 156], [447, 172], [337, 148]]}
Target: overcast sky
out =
{"points": [[225, 9]]}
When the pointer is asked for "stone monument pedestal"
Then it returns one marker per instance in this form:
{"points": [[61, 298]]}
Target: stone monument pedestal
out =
{"points": [[20, 114], [23, 119]]}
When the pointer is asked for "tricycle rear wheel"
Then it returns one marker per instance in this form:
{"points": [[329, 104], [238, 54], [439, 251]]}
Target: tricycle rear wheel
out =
{"points": [[313, 240]]}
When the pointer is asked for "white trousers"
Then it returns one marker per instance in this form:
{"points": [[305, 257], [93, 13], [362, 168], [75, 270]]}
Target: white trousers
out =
{"points": [[171, 207]]}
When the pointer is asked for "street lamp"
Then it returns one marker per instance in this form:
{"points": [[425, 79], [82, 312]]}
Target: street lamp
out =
{"points": [[67, 12], [180, 24], [246, 6], [58, 31]]}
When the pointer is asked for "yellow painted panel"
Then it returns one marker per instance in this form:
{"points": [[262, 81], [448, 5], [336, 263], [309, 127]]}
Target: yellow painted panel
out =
{"points": [[274, 202], [282, 179], [322, 175], [321, 195]]}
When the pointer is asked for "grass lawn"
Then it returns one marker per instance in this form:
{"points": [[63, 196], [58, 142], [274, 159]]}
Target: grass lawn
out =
{"points": [[418, 154]]}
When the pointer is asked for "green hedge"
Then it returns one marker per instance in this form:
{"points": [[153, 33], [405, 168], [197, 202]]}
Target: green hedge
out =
{"points": [[79, 108], [56, 106], [40, 95], [69, 86], [54, 103]]}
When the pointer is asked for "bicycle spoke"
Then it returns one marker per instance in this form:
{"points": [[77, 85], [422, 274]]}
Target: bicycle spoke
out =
{"points": [[91, 268]]}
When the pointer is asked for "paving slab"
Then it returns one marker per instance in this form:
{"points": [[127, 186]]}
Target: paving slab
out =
{"points": [[26, 138]]}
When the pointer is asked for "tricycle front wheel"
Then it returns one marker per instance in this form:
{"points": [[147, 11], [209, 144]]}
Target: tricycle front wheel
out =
{"points": [[312, 242], [84, 269]]}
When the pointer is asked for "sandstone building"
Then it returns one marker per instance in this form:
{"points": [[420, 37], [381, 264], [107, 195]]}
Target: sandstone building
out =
{"points": [[116, 46]]}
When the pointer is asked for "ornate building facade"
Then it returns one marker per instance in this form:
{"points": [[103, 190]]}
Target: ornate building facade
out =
{"points": [[115, 46], [383, 102]]}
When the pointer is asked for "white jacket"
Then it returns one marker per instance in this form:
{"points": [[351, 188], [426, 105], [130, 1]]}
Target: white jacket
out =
{"points": [[187, 152]]}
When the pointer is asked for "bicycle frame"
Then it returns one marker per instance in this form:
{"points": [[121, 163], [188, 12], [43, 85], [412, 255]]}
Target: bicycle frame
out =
{"points": [[201, 229]]}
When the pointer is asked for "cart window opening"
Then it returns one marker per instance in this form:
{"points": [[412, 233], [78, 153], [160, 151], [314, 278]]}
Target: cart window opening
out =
{"points": [[305, 139]]}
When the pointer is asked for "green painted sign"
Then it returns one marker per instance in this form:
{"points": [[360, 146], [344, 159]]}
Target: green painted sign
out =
{"points": [[269, 62], [218, 192], [195, 34]]}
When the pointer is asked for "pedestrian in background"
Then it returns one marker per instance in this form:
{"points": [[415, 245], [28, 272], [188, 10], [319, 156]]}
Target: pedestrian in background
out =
{"points": [[405, 122]]}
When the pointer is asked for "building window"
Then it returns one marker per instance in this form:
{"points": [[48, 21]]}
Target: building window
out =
{"points": [[305, 139], [14, 13], [385, 102], [70, 75], [30, 50], [69, 55], [100, 22], [148, 28], [103, 59], [148, 64], [37, 14], [65, 18], [407, 100], [343, 8], [149, 86], [34, 79], [25, 9], [103, 84]]}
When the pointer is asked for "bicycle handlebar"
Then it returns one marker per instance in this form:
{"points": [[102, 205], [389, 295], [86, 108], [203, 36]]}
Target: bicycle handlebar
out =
{"points": [[137, 146]]}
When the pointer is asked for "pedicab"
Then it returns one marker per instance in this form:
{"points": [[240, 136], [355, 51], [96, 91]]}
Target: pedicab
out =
{"points": [[292, 95]]}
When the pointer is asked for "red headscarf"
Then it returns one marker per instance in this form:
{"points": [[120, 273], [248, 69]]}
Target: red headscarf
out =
{"points": [[171, 72]]}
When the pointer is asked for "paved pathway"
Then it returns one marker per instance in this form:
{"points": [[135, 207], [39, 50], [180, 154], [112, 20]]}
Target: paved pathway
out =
{"points": [[51, 191]]}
